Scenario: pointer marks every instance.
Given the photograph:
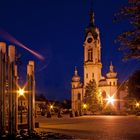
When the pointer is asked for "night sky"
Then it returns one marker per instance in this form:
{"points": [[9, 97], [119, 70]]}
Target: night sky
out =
{"points": [[56, 29]]}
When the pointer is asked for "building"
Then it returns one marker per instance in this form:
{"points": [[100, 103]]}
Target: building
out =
{"points": [[107, 85]]}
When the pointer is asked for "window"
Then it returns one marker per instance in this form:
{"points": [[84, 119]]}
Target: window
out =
{"points": [[79, 96], [92, 75], [110, 83], [114, 83], [87, 75], [90, 55]]}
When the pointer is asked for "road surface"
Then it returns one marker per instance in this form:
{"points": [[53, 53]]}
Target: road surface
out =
{"points": [[94, 127]]}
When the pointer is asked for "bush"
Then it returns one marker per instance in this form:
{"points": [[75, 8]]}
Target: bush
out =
{"points": [[49, 115], [42, 113]]}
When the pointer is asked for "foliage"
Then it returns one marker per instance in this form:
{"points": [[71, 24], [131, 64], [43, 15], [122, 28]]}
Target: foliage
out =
{"points": [[42, 108], [66, 104], [134, 85], [130, 40], [40, 97], [92, 97]]}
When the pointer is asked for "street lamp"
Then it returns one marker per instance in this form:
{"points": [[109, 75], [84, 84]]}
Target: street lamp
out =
{"points": [[84, 106], [110, 100], [51, 107], [137, 104], [21, 94]]}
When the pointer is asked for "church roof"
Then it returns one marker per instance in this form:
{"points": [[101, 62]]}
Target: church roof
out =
{"points": [[103, 82], [111, 73], [76, 77], [91, 27]]}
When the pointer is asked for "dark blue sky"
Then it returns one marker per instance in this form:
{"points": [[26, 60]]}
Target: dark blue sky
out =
{"points": [[56, 29]]}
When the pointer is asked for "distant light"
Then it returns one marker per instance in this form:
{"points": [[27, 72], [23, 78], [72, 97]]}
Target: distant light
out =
{"points": [[51, 106], [137, 104]]}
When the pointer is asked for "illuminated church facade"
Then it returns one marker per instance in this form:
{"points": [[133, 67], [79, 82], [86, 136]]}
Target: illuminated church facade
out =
{"points": [[107, 86]]}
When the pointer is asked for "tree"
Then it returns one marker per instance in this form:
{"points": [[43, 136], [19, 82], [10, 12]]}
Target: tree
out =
{"points": [[40, 97], [66, 104], [130, 40], [92, 98], [134, 85]]}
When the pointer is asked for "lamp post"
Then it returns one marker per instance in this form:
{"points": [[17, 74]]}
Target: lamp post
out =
{"points": [[84, 108], [51, 108], [21, 94]]}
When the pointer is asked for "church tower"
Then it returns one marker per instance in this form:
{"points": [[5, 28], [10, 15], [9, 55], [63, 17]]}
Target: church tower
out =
{"points": [[107, 86], [76, 92], [92, 52]]}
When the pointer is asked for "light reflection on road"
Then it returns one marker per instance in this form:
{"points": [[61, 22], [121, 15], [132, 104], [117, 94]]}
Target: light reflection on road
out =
{"points": [[95, 127]]}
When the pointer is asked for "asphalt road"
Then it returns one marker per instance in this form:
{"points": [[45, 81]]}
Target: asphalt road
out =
{"points": [[94, 127]]}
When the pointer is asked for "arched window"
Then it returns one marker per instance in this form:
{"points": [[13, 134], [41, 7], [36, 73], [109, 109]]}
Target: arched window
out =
{"points": [[104, 94], [90, 54], [92, 75], [79, 96], [87, 75], [114, 83]]}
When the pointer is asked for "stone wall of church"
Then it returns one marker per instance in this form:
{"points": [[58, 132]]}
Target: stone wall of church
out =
{"points": [[76, 98], [109, 91], [92, 71]]}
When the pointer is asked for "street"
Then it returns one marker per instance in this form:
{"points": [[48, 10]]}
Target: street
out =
{"points": [[94, 127]]}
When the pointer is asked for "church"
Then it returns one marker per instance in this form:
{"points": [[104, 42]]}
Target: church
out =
{"points": [[107, 85]]}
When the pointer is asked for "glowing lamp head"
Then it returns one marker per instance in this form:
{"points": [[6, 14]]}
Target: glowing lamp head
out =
{"points": [[84, 106], [110, 100], [51, 106], [21, 92], [137, 104]]}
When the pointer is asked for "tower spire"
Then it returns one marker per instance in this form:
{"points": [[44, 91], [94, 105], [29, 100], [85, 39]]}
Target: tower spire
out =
{"points": [[75, 72], [111, 67], [91, 14]]}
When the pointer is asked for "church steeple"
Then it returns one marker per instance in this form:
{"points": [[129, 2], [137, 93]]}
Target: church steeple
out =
{"points": [[91, 15], [91, 26], [75, 72], [92, 51], [76, 77], [111, 73], [111, 67]]}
